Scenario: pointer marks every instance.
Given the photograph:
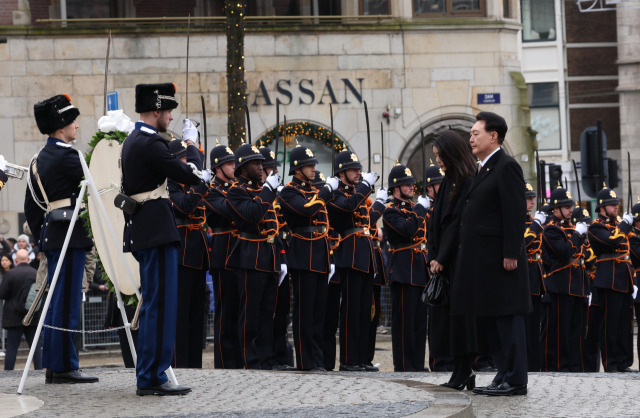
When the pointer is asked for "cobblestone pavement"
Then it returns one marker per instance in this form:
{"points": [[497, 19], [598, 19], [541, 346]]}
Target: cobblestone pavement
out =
{"points": [[253, 393]]}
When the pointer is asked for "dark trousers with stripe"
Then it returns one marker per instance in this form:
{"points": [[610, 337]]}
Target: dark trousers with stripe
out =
{"points": [[355, 315], [331, 317], [562, 339], [157, 331], [190, 319], [227, 353], [532, 333], [59, 354], [282, 350], [375, 322], [309, 302], [613, 334], [591, 341], [257, 291], [507, 345], [626, 333], [408, 328]]}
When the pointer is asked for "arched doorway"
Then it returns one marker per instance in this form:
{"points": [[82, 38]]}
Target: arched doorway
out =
{"points": [[318, 138]]}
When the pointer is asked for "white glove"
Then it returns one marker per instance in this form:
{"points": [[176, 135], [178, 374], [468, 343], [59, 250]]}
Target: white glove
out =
{"points": [[628, 218], [581, 228], [635, 292], [3, 163], [206, 176], [195, 169], [370, 178], [590, 299], [280, 188], [283, 273], [332, 183], [382, 196], [189, 131], [541, 217], [332, 271], [424, 201], [272, 181]]}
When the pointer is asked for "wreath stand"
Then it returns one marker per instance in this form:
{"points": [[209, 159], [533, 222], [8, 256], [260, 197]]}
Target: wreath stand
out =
{"points": [[108, 259]]}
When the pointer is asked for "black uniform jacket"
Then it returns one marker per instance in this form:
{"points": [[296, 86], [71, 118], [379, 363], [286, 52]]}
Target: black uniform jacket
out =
{"points": [[610, 244], [634, 246], [60, 172], [349, 217], [257, 246], [492, 228], [146, 163], [220, 222], [404, 223], [303, 207], [189, 207], [563, 252], [533, 244], [375, 213], [11, 284]]}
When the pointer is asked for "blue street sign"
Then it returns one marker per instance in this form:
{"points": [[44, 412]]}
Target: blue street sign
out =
{"points": [[112, 101], [488, 98]]}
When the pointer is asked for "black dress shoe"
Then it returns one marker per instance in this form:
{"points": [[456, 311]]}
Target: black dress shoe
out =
{"points": [[505, 389], [74, 376], [351, 368], [481, 389], [370, 368], [168, 388]]}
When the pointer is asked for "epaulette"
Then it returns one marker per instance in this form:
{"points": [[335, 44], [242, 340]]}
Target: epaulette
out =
{"points": [[63, 145], [147, 131]]}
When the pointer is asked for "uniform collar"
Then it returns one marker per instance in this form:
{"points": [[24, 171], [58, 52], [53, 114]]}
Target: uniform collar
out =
{"points": [[217, 180], [148, 129], [57, 142], [401, 203], [245, 180], [606, 219], [302, 183]]}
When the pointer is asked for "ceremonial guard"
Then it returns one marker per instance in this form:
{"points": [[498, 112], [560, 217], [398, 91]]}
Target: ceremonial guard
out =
{"points": [[226, 343], [193, 264], [614, 278], [282, 351], [354, 259], [566, 285], [533, 244], [405, 227], [304, 209], [55, 175], [151, 235], [257, 256], [634, 244], [433, 178]]}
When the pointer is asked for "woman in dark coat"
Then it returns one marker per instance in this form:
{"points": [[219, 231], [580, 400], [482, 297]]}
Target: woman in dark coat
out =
{"points": [[454, 157]]}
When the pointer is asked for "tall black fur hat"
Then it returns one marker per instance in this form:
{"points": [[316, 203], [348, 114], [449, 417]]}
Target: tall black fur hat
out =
{"points": [[299, 157], [345, 160], [150, 97], [269, 157], [55, 113]]}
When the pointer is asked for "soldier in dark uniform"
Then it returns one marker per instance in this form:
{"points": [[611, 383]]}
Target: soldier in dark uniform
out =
{"points": [[614, 277], [405, 227], [282, 350], [533, 244], [566, 284], [226, 343], [433, 178], [189, 207], [257, 256], [354, 259], [634, 244], [304, 209], [151, 235], [56, 173]]}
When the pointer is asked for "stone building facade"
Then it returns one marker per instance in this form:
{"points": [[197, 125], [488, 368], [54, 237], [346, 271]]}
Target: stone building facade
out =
{"points": [[426, 73]]}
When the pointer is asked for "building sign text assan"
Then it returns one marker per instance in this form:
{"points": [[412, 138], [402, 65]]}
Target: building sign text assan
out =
{"points": [[307, 92]]}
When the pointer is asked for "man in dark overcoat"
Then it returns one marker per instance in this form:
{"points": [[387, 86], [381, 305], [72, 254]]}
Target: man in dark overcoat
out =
{"points": [[491, 279]]}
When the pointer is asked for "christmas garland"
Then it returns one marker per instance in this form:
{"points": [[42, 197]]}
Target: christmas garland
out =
{"points": [[99, 136], [302, 129]]}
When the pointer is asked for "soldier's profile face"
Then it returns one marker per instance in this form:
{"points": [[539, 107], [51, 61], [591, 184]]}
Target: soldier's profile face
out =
{"points": [[254, 170], [531, 202], [406, 190], [352, 175], [309, 171], [70, 132], [164, 119], [611, 210], [228, 169]]}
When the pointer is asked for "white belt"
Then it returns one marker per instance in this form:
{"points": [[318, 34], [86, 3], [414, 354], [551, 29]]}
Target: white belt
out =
{"points": [[160, 192], [62, 203]]}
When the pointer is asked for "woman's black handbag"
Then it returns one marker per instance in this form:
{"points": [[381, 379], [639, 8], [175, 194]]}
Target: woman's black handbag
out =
{"points": [[436, 293]]}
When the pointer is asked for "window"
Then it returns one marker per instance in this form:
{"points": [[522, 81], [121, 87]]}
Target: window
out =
{"points": [[538, 20], [435, 8], [374, 7], [545, 114]]}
